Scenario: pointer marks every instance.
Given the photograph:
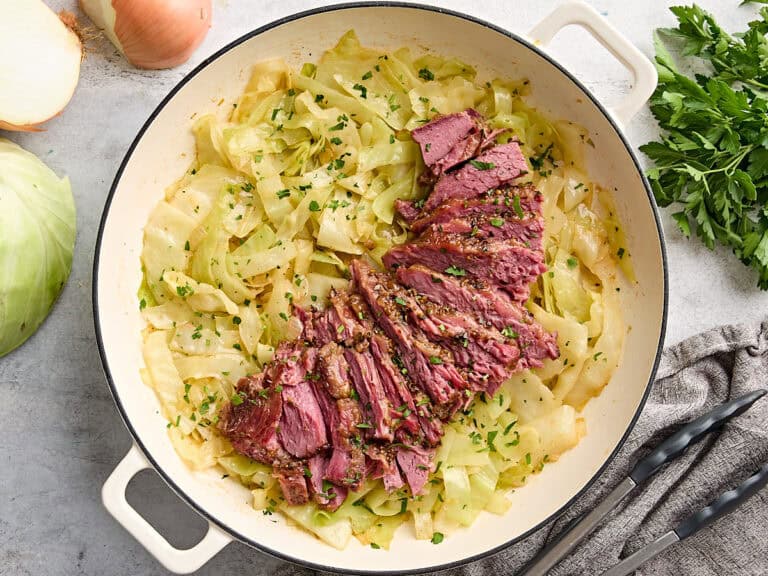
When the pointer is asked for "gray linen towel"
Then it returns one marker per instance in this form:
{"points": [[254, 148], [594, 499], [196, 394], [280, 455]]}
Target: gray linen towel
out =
{"points": [[694, 376]]}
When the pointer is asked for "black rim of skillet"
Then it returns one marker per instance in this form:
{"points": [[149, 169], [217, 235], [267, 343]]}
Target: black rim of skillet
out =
{"points": [[298, 16]]}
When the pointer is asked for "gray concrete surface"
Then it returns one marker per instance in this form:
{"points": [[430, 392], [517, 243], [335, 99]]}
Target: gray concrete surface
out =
{"points": [[60, 435]]}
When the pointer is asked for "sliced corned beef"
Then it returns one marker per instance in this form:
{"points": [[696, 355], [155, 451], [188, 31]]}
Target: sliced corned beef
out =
{"points": [[511, 213], [302, 425], [407, 210], [381, 463], [488, 356], [333, 370], [404, 408], [292, 482], [509, 265], [251, 426], [415, 463], [346, 464], [305, 317], [450, 139], [325, 326], [497, 166], [418, 355], [326, 494], [376, 406], [350, 329], [413, 410], [488, 305]]}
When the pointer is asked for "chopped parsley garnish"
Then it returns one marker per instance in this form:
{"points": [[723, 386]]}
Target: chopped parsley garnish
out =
{"points": [[236, 320], [400, 301], [336, 127], [364, 425], [437, 537], [336, 140], [375, 546], [620, 253], [319, 98], [518, 208], [491, 437], [186, 245], [510, 333], [283, 193], [426, 74], [362, 89], [482, 165], [435, 360], [142, 304], [572, 262], [454, 271], [236, 399], [509, 427], [391, 138], [427, 146], [528, 458], [314, 206], [368, 75], [537, 162], [497, 222]]}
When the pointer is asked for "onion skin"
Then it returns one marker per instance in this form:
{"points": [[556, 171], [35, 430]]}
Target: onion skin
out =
{"points": [[22, 127], [157, 34]]}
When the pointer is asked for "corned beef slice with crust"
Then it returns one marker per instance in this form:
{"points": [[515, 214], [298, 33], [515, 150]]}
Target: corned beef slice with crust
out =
{"points": [[508, 265], [420, 357], [302, 426], [415, 464], [497, 166], [508, 213], [450, 140], [251, 426], [488, 305]]}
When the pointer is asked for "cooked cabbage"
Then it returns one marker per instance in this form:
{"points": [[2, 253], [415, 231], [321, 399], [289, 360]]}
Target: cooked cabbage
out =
{"points": [[301, 177]]}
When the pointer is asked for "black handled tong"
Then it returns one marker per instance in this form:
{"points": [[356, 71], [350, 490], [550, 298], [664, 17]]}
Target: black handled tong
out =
{"points": [[671, 448]]}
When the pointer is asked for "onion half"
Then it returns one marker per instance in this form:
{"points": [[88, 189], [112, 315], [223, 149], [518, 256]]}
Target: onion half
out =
{"points": [[39, 65], [152, 34]]}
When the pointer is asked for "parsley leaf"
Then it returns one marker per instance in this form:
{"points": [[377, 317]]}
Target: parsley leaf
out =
{"points": [[426, 74], [482, 165], [362, 89], [711, 163], [454, 271]]}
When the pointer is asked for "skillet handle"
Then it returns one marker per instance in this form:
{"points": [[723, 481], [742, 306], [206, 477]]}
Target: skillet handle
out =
{"points": [[175, 560], [581, 14]]}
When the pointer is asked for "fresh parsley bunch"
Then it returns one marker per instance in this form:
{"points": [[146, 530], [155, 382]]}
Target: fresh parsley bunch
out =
{"points": [[712, 161]]}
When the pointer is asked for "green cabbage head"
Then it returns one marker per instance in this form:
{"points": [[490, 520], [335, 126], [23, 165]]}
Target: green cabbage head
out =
{"points": [[37, 237]]}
